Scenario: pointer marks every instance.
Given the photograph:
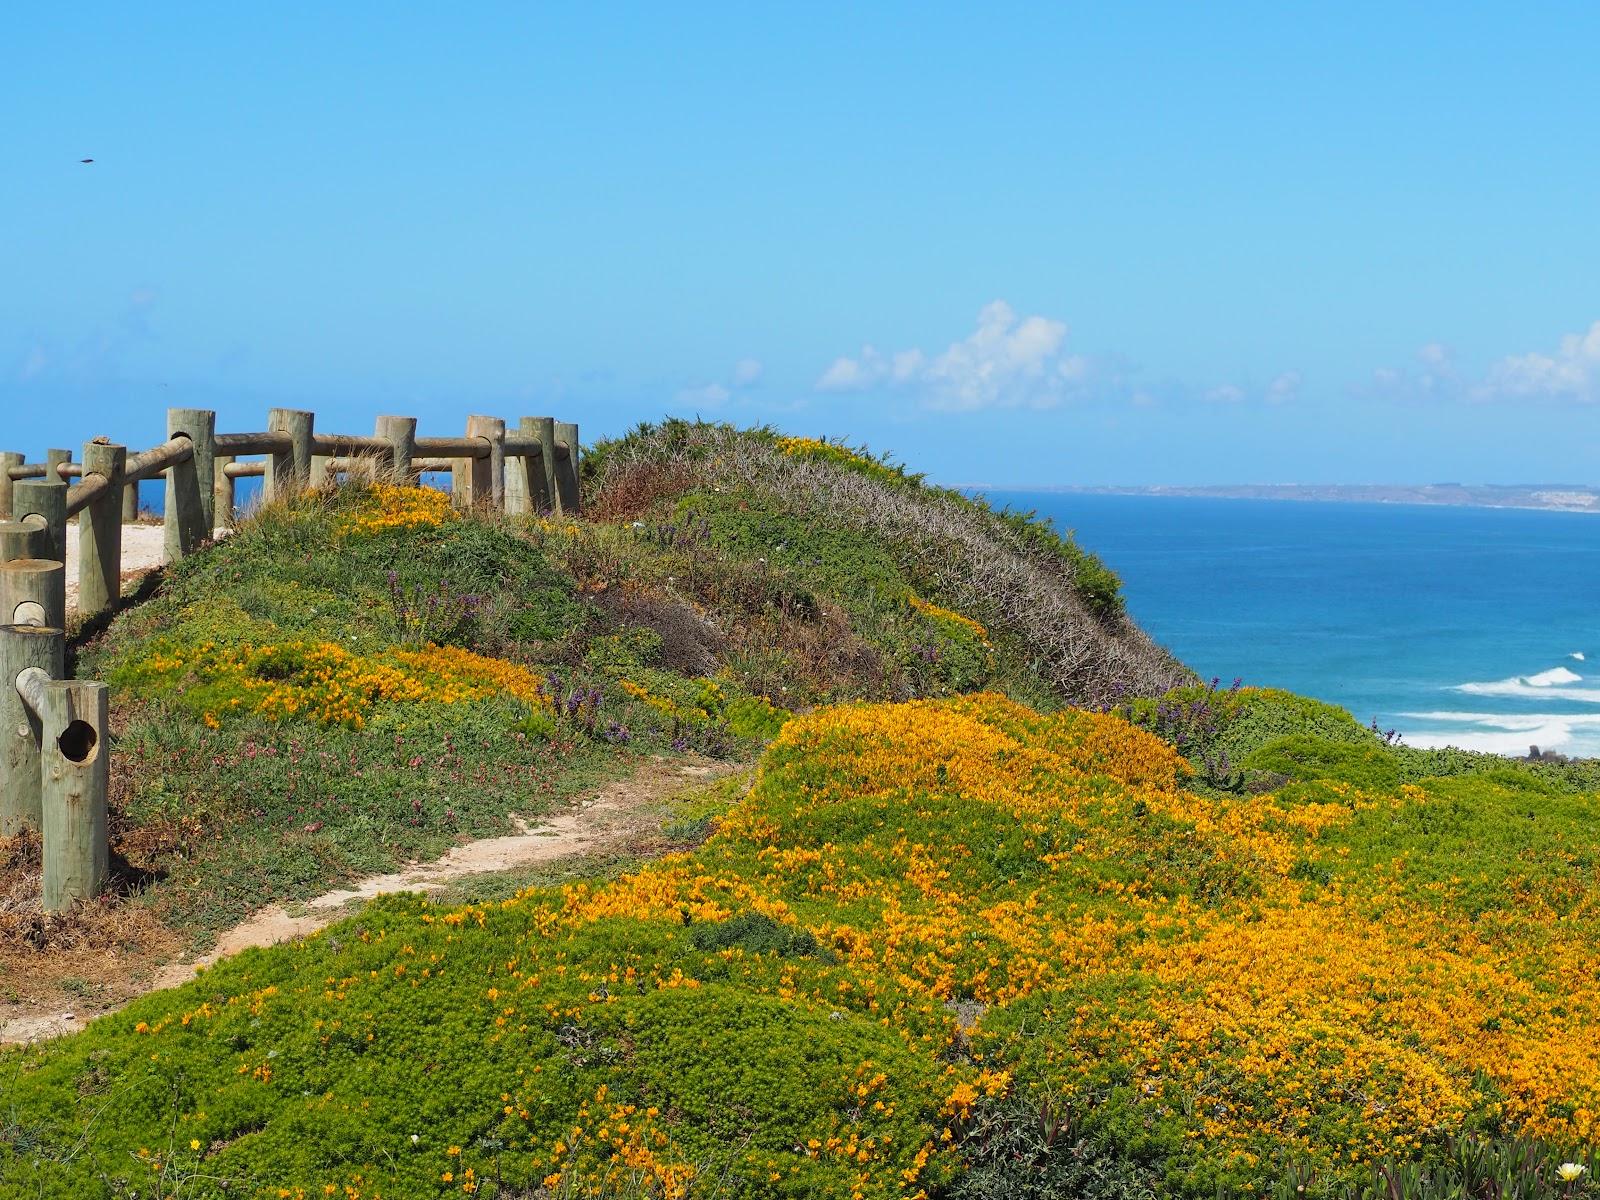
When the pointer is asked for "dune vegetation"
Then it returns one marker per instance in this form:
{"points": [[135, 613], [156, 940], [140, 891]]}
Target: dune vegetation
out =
{"points": [[1013, 906]]}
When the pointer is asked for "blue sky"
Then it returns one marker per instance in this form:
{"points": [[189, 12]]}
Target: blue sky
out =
{"points": [[1013, 244]]}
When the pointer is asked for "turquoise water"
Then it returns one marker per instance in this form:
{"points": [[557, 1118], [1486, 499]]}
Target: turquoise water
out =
{"points": [[1456, 626]]}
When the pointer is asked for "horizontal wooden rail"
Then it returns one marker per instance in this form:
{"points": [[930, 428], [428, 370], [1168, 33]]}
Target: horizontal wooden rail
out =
{"points": [[341, 443], [67, 470], [149, 463], [441, 447], [246, 470], [81, 495], [526, 447], [254, 443]]}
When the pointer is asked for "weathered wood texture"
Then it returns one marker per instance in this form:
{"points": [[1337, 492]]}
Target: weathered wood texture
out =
{"points": [[41, 504], [100, 532], [74, 761], [33, 591], [23, 647], [289, 470], [191, 482]]}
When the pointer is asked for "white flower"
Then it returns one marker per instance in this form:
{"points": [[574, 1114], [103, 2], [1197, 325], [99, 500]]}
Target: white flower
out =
{"points": [[415, 1139], [1569, 1172]]}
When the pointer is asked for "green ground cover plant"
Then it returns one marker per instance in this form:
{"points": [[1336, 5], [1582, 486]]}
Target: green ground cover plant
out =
{"points": [[941, 948]]}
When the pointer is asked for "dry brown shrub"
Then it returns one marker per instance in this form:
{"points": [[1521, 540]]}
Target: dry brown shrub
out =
{"points": [[796, 663], [690, 644], [638, 488]]}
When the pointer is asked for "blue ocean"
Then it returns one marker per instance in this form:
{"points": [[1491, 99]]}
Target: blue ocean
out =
{"points": [[1472, 627]]}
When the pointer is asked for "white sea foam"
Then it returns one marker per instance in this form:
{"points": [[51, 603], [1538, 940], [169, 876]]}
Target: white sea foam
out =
{"points": [[1509, 722], [1577, 654], [1546, 685], [1504, 733], [1556, 734]]}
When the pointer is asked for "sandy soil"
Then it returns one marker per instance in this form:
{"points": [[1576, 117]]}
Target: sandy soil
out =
{"points": [[613, 818], [143, 550]]}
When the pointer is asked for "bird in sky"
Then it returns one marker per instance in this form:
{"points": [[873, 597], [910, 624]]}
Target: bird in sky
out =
{"points": [[86, 160]]}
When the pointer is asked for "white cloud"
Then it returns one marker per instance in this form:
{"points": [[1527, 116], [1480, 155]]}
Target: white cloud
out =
{"points": [[1436, 355], [712, 394], [1284, 388], [1004, 362], [745, 375], [1571, 373]]}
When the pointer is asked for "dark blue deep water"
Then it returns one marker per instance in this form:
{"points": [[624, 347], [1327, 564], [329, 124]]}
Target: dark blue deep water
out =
{"points": [[1473, 627]]}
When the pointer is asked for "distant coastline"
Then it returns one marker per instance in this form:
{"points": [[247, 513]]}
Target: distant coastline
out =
{"points": [[1550, 497]]}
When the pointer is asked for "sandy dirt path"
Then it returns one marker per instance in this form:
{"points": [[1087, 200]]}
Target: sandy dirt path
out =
{"points": [[143, 550], [612, 818]]}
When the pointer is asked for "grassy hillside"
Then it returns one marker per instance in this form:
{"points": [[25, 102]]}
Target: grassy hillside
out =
{"points": [[279, 691], [1013, 908]]}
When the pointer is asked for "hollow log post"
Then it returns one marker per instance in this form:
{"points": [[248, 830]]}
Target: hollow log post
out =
{"points": [[401, 434], [42, 504], [191, 484], [100, 532], [567, 471], [8, 459], [75, 777], [33, 591], [23, 647], [289, 471], [17, 540], [224, 499], [52, 463], [487, 475]]}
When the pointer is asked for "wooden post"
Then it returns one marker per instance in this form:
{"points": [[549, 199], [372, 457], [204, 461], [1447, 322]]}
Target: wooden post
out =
{"points": [[52, 463], [224, 499], [541, 476], [17, 540], [517, 500], [289, 472], [319, 470], [401, 434], [567, 487], [130, 503], [487, 475], [33, 591], [22, 647], [529, 472], [100, 532], [42, 503], [74, 762], [191, 484], [544, 428], [8, 459]]}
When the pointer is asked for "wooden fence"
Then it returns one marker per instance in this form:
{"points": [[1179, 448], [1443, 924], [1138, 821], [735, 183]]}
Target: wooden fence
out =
{"points": [[53, 773]]}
